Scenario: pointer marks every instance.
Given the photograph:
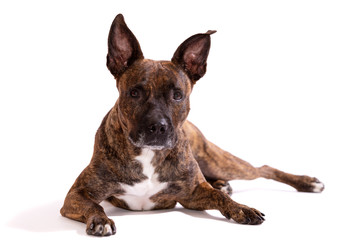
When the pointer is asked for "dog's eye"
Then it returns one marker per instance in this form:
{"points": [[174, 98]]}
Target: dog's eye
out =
{"points": [[177, 96], [134, 93]]}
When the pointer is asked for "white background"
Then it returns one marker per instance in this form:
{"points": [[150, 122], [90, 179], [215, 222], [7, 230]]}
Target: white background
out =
{"points": [[282, 88]]}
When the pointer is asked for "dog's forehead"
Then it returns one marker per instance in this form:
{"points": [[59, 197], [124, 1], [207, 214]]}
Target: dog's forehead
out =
{"points": [[156, 74]]}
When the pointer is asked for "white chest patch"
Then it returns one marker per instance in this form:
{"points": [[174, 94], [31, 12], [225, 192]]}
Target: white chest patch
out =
{"points": [[137, 196]]}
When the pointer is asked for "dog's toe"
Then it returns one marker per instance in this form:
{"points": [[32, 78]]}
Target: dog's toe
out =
{"points": [[107, 230]]}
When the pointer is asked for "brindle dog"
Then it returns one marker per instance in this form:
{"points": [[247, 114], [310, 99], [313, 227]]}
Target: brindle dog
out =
{"points": [[147, 156]]}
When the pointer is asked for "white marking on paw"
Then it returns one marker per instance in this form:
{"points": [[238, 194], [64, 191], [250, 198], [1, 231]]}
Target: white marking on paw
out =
{"points": [[137, 196], [99, 229], [107, 229], [318, 187], [225, 189]]}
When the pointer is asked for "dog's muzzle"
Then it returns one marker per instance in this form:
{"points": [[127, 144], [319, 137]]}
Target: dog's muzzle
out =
{"points": [[155, 134]]}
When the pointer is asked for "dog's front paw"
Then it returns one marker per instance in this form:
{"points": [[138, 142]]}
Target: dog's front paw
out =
{"points": [[245, 215], [100, 226]]}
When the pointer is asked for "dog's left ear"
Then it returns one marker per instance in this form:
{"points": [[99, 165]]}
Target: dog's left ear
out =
{"points": [[123, 47], [192, 54]]}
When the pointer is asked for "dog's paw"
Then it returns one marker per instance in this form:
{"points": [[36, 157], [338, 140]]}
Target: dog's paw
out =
{"points": [[310, 184], [318, 186], [245, 215], [99, 226], [222, 185]]}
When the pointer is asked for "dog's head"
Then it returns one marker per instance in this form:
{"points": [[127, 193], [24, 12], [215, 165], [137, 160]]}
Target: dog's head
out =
{"points": [[154, 95]]}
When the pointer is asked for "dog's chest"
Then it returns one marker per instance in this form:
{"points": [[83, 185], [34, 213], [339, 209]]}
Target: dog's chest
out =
{"points": [[137, 196]]}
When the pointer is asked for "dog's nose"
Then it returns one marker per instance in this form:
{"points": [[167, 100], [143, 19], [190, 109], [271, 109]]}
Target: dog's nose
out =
{"points": [[158, 128]]}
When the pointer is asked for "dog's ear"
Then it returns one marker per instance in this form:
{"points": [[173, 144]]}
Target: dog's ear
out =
{"points": [[192, 54], [123, 47]]}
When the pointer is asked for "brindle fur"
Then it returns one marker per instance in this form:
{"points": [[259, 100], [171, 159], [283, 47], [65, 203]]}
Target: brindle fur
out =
{"points": [[188, 160]]}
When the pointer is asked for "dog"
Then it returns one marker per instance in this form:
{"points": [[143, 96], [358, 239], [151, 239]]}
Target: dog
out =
{"points": [[147, 156]]}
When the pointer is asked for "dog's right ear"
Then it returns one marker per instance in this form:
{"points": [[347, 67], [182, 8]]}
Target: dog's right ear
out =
{"points": [[123, 47]]}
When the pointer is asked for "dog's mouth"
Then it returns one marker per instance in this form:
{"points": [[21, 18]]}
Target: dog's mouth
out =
{"points": [[159, 143]]}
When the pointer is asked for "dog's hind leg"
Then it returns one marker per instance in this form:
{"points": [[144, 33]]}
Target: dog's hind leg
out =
{"points": [[301, 183], [215, 163], [219, 166]]}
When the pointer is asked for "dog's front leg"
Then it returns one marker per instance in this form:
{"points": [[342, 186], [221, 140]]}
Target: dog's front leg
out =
{"points": [[82, 204], [78, 206], [205, 197]]}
